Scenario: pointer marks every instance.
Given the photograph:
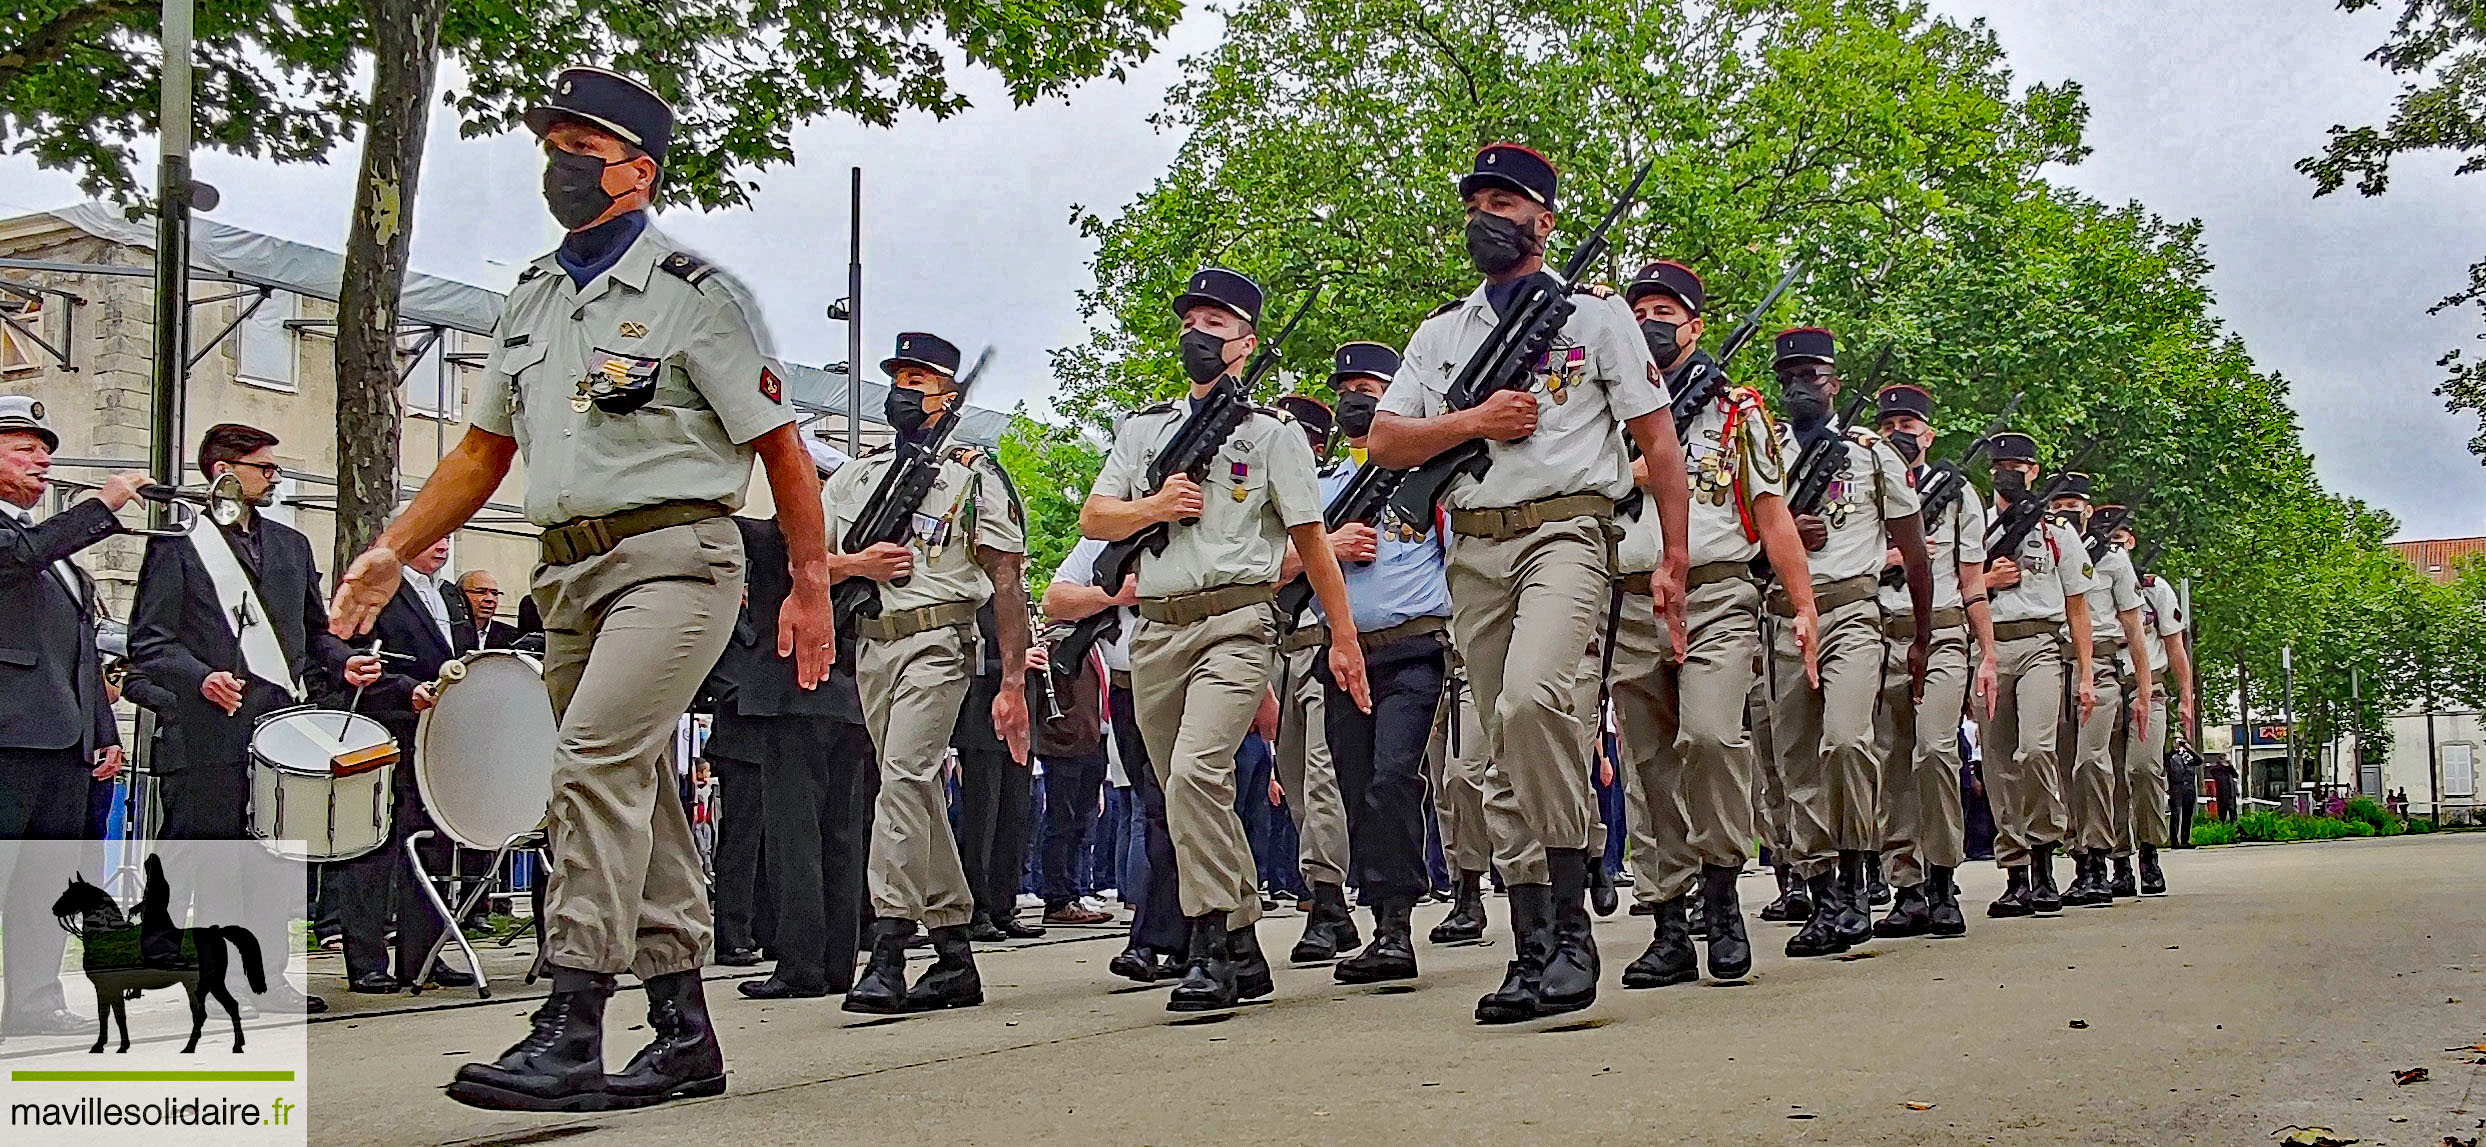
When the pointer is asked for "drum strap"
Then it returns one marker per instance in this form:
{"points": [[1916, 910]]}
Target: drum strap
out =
{"points": [[239, 605]]}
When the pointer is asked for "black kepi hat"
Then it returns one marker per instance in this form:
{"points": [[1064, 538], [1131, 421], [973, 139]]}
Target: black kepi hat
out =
{"points": [[2079, 486], [1804, 343], [1901, 398], [1365, 358], [1310, 413], [2013, 447], [1511, 166], [1667, 277], [611, 101], [922, 350], [1219, 287]]}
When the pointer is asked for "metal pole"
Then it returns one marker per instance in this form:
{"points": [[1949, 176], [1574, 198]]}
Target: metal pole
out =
{"points": [[2287, 694], [2356, 730], [172, 255], [854, 316], [2241, 756]]}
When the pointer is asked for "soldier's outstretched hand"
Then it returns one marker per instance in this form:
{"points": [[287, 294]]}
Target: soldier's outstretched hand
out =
{"points": [[1807, 630], [1346, 667]]}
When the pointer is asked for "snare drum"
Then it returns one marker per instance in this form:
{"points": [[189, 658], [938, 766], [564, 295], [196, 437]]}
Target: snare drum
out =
{"points": [[321, 777]]}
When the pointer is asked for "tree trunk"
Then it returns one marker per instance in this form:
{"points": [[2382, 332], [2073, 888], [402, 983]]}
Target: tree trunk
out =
{"points": [[405, 42]]}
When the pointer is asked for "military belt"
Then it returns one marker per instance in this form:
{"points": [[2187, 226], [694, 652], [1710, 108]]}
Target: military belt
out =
{"points": [[1902, 626], [1502, 523], [1407, 630], [2104, 648], [1711, 573], [1309, 636], [2033, 627], [900, 624], [1836, 595], [1120, 678], [1201, 605], [577, 540], [1636, 584]]}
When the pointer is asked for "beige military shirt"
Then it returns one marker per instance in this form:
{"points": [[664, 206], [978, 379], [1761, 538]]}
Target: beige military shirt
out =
{"points": [[1596, 376], [2054, 565], [970, 505], [1871, 489], [2162, 615], [1261, 484], [2117, 588], [658, 311], [1731, 462], [1958, 537]]}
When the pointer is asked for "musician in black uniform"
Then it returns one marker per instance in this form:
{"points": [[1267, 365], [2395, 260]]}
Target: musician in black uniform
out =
{"points": [[994, 794]]}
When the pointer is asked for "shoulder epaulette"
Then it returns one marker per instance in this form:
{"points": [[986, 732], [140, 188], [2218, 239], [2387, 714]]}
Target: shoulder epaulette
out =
{"points": [[532, 273], [1160, 408], [1274, 412], [1599, 290], [869, 451], [1445, 308], [1863, 437], [687, 267], [969, 456]]}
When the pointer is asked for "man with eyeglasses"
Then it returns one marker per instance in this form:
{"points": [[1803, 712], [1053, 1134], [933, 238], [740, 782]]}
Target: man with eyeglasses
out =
{"points": [[483, 601]]}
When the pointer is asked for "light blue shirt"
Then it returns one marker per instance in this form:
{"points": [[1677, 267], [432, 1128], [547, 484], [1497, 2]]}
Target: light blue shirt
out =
{"points": [[1406, 580]]}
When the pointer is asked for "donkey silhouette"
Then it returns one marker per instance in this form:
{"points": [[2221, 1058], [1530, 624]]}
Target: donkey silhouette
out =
{"points": [[124, 959]]}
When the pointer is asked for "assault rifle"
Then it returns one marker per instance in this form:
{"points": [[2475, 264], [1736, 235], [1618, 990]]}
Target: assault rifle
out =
{"points": [[2012, 527], [2102, 527], [890, 513], [1944, 481], [1820, 462], [1365, 498], [1224, 410], [1700, 391], [1506, 361]]}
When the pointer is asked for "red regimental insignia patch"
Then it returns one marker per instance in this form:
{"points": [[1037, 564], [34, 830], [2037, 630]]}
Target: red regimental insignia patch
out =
{"points": [[770, 388]]}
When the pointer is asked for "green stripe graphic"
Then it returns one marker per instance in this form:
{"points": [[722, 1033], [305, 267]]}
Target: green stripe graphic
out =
{"points": [[151, 1077]]}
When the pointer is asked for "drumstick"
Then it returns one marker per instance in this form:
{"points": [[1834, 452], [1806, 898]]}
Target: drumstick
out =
{"points": [[357, 703]]}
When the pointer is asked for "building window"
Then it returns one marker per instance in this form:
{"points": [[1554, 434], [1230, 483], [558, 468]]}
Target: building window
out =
{"points": [[432, 381], [2459, 770], [263, 348], [19, 354]]}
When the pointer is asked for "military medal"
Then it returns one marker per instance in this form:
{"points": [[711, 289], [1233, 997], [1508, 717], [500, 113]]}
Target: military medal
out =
{"points": [[1241, 471], [578, 401]]}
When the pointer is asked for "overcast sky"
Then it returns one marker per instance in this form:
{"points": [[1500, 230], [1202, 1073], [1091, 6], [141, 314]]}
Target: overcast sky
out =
{"points": [[2200, 108]]}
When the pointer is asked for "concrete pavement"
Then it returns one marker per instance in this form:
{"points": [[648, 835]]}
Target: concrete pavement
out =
{"points": [[2278, 986]]}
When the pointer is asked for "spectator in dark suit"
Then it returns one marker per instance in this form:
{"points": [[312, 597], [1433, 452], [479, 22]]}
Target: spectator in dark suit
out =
{"points": [[483, 604], [230, 663], [428, 623], [56, 730]]}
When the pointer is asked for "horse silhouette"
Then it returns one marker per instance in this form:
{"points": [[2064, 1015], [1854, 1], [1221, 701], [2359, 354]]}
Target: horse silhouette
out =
{"points": [[124, 959]]}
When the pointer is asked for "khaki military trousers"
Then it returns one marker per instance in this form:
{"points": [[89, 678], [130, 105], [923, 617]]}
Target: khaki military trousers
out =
{"points": [[1458, 754], [912, 689], [1305, 772], [2021, 781], [1769, 786], [1522, 610], [1195, 689], [1825, 737], [1918, 745], [629, 635], [2089, 779], [2141, 781], [1688, 760]]}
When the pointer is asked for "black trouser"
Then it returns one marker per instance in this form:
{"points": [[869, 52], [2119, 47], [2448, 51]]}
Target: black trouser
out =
{"points": [[1380, 761], [745, 913], [1072, 786], [992, 817], [2181, 796], [819, 822], [1157, 924], [42, 797], [361, 890]]}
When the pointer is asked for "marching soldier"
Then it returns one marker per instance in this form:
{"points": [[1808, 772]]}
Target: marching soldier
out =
{"points": [[2115, 625], [1531, 569], [2035, 592], [1206, 648], [1924, 840], [632, 377], [1304, 763], [1394, 575], [914, 664], [1689, 775], [1824, 731], [2142, 787]]}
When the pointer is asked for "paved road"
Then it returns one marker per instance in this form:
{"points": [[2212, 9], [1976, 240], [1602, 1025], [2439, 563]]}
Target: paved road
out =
{"points": [[2280, 985]]}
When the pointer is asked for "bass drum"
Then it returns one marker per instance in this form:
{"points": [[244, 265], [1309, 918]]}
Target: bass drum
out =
{"points": [[483, 755]]}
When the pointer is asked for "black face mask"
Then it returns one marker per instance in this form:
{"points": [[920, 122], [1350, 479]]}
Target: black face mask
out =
{"points": [[574, 188], [906, 412], [1495, 244], [1355, 411], [1910, 450], [2010, 485], [1664, 340], [1204, 356], [1806, 403]]}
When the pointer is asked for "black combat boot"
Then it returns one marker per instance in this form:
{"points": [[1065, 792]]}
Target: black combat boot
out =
{"points": [[559, 1066], [2123, 885], [683, 1061], [1136, 964], [1877, 892], [1730, 951], [1466, 921], [1569, 981], [1392, 953], [1910, 911], [2076, 894], [982, 930], [2015, 898], [1329, 927], [881, 990], [2101, 891], [1820, 934], [2153, 881], [1855, 918], [1792, 905], [1698, 915], [1532, 937], [1942, 915], [1208, 975], [2044, 900], [1601, 893], [1670, 959], [1251, 968], [951, 981]]}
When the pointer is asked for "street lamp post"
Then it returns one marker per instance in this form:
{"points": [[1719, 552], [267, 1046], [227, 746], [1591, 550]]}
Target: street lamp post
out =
{"points": [[172, 254]]}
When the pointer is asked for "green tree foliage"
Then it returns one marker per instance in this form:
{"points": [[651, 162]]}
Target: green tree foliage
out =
{"points": [[2441, 46], [1052, 466]]}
